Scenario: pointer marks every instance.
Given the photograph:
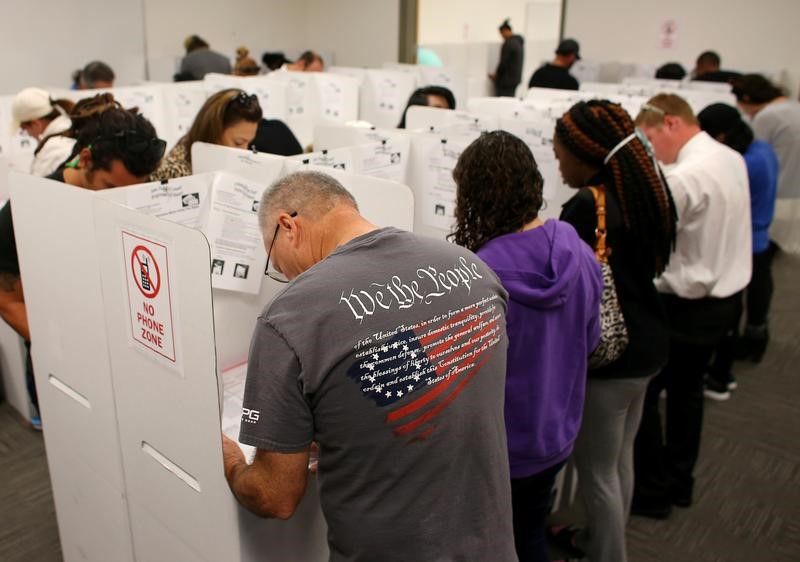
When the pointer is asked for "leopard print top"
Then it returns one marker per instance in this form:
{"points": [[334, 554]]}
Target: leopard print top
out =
{"points": [[175, 165]]}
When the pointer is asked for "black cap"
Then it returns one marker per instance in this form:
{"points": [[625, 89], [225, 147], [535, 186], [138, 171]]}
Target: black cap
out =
{"points": [[506, 24], [569, 47], [718, 118]]}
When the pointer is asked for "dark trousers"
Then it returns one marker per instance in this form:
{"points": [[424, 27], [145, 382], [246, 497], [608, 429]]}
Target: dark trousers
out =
{"points": [[505, 91], [759, 297], [664, 460], [759, 291], [29, 380], [530, 503]]}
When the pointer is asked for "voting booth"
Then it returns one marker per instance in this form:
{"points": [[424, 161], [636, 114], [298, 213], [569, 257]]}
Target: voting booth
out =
{"points": [[139, 356]]}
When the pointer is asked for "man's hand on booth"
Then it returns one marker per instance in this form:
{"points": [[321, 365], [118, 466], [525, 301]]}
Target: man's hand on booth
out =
{"points": [[270, 487]]}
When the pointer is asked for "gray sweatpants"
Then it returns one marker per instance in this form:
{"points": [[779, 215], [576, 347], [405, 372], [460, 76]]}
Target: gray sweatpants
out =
{"points": [[604, 459]]}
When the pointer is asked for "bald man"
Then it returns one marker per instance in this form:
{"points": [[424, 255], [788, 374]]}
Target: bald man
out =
{"points": [[389, 351]]}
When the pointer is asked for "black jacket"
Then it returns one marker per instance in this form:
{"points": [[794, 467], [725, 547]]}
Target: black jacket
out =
{"points": [[509, 69]]}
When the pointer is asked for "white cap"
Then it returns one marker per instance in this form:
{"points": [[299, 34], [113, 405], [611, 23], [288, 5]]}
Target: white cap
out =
{"points": [[30, 104]]}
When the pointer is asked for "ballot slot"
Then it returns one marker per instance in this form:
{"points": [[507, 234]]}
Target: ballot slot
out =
{"points": [[184, 476], [69, 391]]}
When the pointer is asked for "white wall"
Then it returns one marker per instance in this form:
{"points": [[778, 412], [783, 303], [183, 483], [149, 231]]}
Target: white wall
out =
{"points": [[260, 25], [355, 32], [467, 21], [43, 41], [749, 36]]}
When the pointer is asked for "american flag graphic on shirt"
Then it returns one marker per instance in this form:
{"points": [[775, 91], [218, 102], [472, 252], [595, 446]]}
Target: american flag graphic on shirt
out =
{"points": [[416, 373]]}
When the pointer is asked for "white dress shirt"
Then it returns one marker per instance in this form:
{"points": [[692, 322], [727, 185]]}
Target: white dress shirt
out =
{"points": [[713, 253]]}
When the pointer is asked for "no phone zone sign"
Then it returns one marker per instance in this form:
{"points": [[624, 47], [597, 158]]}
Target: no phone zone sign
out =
{"points": [[149, 298]]}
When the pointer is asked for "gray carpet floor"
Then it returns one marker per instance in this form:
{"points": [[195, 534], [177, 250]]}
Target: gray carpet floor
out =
{"points": [[747, 504]]}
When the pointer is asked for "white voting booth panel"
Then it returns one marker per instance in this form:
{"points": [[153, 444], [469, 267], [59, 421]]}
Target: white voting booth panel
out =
{"points": [[430, 76], [169, 411], [108, 399], [54, 227], [384, 96], [233, 335], [454, 122]]}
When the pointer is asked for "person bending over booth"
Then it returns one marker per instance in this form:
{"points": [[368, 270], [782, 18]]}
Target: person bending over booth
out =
{"points": [[554, 286], [701, 290], [725, 124], [556, 74], [404, 398], [43, 119], [228, 118], [429, 96], [116, 148]]}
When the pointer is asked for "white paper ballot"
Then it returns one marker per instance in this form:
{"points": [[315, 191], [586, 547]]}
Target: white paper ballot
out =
{"points": [[233, 381], [181, 200], [237, 251], [432, 176]]}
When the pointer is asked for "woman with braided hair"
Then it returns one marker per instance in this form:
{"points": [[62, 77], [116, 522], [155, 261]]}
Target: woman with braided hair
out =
{"points": [[554, 286], [597, 146]]}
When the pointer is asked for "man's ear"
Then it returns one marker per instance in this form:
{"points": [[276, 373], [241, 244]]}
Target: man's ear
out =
{"points": [[85, 161]]}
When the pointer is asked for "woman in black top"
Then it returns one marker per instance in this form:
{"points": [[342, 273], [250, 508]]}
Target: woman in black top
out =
{"points": [[596, 145]]}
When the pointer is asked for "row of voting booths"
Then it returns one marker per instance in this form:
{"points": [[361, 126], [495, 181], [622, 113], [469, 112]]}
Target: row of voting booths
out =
{"points": [[140, 339]]}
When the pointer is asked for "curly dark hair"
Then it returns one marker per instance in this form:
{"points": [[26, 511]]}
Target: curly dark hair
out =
{"points": [[499, 189], [120, 134], [590, 131]]}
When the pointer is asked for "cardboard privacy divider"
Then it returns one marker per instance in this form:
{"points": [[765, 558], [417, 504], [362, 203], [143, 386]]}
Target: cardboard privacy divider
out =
{"points": [[230, 307], [54, 227], [134, 439], [384, 95], [430, 76], [328, 137], [384, 159], [454, 122]]}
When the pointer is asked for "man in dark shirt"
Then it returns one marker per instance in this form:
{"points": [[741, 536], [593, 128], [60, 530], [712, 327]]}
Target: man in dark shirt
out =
{"points": [[556, 74], [116, 148], [707, 69], [509, 70]]}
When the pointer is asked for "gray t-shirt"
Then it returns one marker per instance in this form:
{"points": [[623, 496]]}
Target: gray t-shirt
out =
{"points": [[391, 353], [779, 124], [205, 61]]}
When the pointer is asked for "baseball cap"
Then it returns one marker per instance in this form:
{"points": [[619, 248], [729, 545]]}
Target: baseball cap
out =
{"points": [[29, 104], [569, 47]]}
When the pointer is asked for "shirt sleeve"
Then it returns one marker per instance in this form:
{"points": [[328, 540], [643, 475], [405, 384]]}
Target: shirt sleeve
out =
{"points": [[276, 415]]}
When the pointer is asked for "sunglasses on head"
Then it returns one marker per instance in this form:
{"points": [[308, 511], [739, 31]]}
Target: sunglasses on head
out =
{"points": [[243, 98]]}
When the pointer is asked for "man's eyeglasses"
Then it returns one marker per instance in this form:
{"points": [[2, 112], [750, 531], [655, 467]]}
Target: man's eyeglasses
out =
{"points": [[276, 275], [135, 142]]}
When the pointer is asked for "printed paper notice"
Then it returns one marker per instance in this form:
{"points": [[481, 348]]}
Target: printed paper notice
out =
{"points": [[435, 176], [237, 250], [385, 159], [182, 200]]}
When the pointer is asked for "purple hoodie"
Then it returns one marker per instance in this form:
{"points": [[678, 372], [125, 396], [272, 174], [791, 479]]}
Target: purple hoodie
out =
{"points": [[555, 286]]}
